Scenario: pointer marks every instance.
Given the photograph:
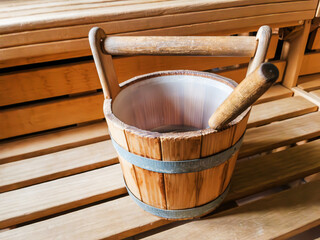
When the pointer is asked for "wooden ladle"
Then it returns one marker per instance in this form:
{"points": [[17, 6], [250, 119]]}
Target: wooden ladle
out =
{"points": [[244, 95]]}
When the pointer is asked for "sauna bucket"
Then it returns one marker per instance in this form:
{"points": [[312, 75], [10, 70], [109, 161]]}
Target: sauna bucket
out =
{"points": [[174, 166]]}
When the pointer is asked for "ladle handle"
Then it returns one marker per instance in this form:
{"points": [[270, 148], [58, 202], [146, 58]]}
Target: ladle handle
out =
{"points": [[244, 95]]}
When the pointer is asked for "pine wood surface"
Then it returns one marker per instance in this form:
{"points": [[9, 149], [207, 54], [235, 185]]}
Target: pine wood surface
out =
{"points": [[28, 54], [314, 40], [307, 95], [239, 46], [79, 77], [144, 23], [301, 161], [46, 82], [151, 184], [36, 145], [316, 93], [275, 92], [55, 165], [102, 154], [295, 55], [318, 11], [245, 94], [309, 82], [292, 130], [239, 74], [310, 63], [48, 115], [66, 193], [279, 110], [72, 14], [47, 77], [59, 140], [273, 217]]}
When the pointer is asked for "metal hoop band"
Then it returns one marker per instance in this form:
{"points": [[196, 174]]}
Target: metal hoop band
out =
{"points": [[185, 166], [181, 213]]}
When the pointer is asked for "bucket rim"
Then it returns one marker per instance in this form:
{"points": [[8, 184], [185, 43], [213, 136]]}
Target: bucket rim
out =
{"points": [[108, 103]]}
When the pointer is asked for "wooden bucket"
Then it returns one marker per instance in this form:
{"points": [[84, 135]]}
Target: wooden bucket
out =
{"points": [[174, 175]]}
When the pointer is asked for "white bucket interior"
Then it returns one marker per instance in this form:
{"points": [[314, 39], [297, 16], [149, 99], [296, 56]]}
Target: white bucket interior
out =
{"points": [[170, 100]]}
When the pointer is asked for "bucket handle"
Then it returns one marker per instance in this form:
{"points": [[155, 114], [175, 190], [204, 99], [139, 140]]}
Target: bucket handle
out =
{"points": [[104, 47]]}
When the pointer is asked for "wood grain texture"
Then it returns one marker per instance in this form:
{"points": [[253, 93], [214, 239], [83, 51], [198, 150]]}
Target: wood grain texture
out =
{"points": [[314, 40], [293, 130], [150, 22], [79, 77], [273, 217], [295, 56], [55, 165], [123, 218], [181, 189], [316, 93], [310, 63], [151, 184], [52, 114], [275, 92], [307, 95], [117, 132], [104, 12], [270, 169], [263, 38], [213, 178], [23, 205], [104, 64], [46, 82], [240, 46], [265, 113], [239, 74], [309, 82], [318, 11], [245, 94], [79, 47], [37, 145]]}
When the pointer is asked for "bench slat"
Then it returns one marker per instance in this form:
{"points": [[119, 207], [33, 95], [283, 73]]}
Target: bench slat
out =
{"points": [[64, 79], [279, 134], [59, 195], [34, 53], [52, 114], [279, 110], [267, 171], [279, 216], [140, 9], [309, 82], [275, 92], [58, 164], [310, 64], [316, 93], [240, 73], [51, 142], [75, 160], [150, 22]]}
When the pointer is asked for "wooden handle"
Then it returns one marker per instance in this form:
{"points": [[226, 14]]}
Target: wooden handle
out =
{"points": [[245, 94], [241, 46], [263, 37]]}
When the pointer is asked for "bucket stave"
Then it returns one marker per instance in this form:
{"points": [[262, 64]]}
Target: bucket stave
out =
{"points": [[160, 99]]}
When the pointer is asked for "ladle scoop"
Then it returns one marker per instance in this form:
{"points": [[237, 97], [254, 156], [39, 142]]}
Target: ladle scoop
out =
{"points": [[244, 95]]}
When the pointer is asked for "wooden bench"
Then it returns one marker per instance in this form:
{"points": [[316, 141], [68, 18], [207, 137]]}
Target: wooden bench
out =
{"points": [[59, 173]]}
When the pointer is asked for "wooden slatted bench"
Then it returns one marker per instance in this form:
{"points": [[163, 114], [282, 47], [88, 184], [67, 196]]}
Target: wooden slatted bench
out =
{"points": [[59, 173]]}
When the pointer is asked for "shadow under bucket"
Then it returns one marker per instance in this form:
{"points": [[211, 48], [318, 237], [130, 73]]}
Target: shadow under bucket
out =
{"points": [[170, 171]]}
